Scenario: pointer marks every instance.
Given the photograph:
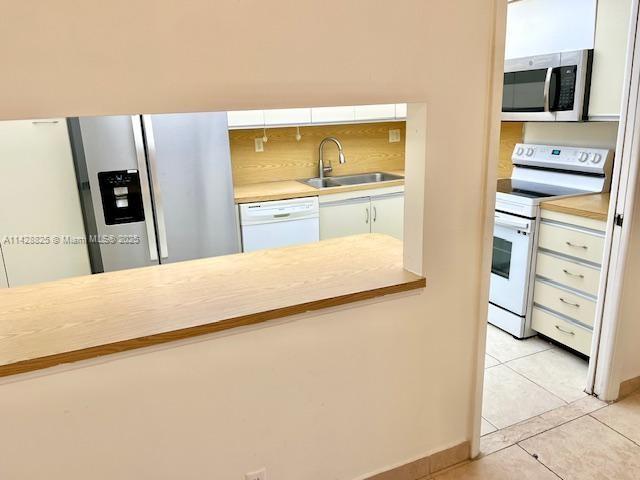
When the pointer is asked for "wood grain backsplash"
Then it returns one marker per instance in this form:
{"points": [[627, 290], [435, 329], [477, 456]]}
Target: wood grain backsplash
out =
{"points": [[366, 148], [510, 134]]}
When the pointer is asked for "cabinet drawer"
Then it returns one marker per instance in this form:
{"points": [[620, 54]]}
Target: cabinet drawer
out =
{"points": [[579, 308], [573, 274], [569, 241], [563, 331]]}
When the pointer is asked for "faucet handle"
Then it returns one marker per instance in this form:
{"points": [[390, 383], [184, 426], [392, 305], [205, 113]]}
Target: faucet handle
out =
{"points": [[327, 168]]}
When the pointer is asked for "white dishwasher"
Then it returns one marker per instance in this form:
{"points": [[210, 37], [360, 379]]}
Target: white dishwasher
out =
{"points": [[279, 223]]}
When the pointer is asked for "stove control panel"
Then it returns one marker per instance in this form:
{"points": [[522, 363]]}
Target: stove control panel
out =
{"points": [[597, 161]]}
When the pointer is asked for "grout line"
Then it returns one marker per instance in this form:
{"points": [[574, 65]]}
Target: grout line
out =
{"points": [[551, 347], [545, 389], [538, 460], [540, 432], [614, 430], [494, 426]]}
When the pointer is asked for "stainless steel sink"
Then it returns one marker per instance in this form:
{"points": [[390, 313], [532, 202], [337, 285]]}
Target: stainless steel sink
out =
{"points": [[340, 181], [375, 177], [320, 182]]}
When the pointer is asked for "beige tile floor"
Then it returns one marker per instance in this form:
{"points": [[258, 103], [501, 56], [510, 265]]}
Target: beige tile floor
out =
{"points": [[584, 440], [526, 378]]}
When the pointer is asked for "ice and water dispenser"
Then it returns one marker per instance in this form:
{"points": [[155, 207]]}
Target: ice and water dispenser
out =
{"points": [[121, 196]]}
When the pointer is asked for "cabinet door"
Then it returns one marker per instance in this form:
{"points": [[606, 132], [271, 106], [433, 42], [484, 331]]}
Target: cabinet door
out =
{"points": [[245, 118], [401, 111], [40, 214], [333, 114], [387, 215], [375, 112], [349, 217], [287, 116], [610, 54]]}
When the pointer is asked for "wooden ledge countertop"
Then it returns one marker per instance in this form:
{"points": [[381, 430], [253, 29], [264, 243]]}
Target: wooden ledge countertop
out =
{"points": [[282, 190], [83, 317], [593, 205]]}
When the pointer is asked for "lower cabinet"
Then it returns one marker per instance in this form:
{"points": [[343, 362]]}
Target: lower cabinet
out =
{"points": [[567, 278], [364, 214]]}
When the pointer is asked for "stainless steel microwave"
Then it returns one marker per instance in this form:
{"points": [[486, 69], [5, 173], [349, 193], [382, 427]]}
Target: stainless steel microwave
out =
{"points": [[547, 88]]}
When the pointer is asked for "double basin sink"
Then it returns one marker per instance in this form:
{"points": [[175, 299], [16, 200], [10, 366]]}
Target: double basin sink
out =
{"points": [[345, 180]]}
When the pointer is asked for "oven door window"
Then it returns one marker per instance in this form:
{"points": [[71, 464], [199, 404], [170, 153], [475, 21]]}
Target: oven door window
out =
{"points": [[524, 91], [501, 263]]}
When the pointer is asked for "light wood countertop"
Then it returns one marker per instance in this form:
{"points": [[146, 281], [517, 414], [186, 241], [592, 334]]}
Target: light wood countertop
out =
{"points": [[594, 206], [83, 317], [267, 191]]}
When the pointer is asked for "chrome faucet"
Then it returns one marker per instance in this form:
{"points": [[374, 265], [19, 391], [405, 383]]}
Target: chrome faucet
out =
{"points": [[321, 167]]}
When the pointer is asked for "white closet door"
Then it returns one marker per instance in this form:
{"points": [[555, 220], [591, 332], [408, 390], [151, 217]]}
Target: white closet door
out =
{"points": [[39, 203]]}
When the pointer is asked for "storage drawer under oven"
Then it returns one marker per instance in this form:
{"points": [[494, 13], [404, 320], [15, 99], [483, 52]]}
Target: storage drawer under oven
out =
{"points": [[575, 306], [566, 272], [561, 330]]}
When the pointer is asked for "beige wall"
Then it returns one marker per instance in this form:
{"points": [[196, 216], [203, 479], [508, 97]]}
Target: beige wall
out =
{"points": [[334, 395]]}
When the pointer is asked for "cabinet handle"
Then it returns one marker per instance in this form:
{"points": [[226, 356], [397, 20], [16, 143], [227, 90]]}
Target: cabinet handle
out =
{"points": [[577, 305], [45, 122], [375, 213], [565, 331], [366, 220], [579, 275], [569, 244]]}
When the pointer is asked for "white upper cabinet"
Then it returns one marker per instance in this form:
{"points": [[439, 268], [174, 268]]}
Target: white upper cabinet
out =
{"points": [[317, 115], [536, 27], [375, 112], [245, 118], [333, 114], [287, 116], [609, 58]]}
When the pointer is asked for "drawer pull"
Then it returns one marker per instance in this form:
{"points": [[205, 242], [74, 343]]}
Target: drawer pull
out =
{"points": [[577, 246], [578, 275], [565, 331], [577, 305]]}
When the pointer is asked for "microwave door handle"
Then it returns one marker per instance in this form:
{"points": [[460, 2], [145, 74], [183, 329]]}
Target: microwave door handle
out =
{"points": [[547, 88], [144, 187]]}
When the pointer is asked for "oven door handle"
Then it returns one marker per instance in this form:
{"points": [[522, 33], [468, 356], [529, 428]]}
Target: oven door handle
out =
{"points": [[504, 222]]}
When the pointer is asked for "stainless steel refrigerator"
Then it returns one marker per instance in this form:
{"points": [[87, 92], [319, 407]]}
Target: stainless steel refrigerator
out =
{"points": [[155, 188]]}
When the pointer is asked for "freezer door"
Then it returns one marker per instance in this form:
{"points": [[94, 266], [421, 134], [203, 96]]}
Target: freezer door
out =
{"points": [[113, 149], [192, 188]]}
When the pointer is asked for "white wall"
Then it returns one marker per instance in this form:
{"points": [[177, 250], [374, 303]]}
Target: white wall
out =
{"points": [[334, 395]]}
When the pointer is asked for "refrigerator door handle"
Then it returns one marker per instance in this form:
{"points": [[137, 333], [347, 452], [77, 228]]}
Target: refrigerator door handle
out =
{"points": [[144, 187], [155, 183]]}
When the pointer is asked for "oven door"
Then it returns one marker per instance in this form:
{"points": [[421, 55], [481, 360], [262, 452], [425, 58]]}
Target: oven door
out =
{"points": [[511, 263]]}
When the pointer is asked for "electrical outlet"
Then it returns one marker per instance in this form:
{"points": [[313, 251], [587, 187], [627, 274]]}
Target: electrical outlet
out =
{"points": [[259, 144], [394, 135], [258, 475]]}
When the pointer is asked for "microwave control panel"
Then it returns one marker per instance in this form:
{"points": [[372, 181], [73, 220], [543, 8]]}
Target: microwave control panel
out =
{"points": [[564, 82], [121, 196]]}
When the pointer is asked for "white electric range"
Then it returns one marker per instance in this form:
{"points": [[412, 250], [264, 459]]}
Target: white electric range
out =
{"points": [[540, 173]]}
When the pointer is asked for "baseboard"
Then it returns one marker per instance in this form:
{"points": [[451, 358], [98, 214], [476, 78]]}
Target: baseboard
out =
{"points": [[424, 467], [628, 387]]}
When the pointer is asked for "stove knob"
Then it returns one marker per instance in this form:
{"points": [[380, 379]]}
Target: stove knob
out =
{"points": [[529, 152], [583, 157], [519, 151], [596, 158]]}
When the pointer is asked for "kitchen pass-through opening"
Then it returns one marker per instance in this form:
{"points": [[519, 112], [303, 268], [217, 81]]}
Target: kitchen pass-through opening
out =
{"points": [[111, 193]]}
